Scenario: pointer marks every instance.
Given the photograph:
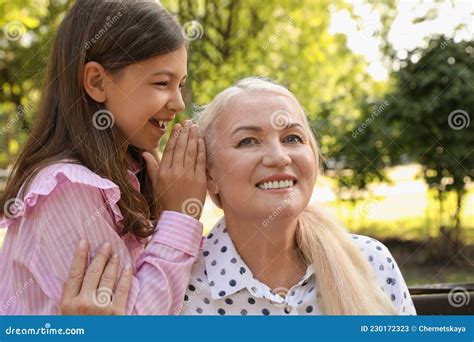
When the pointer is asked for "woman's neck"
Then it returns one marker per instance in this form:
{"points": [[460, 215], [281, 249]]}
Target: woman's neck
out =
{"points": [[270, 250]]}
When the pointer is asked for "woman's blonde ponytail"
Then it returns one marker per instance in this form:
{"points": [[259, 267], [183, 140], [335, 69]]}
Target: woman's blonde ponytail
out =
{"points": [[346, 282], [345, 278]]}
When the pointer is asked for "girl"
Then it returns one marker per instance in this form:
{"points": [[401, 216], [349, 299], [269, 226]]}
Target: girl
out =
{"points": [[87, 171], [272, 253]]}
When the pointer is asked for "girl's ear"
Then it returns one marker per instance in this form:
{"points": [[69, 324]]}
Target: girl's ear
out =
{"points": [[93, 81], [212, 186]]}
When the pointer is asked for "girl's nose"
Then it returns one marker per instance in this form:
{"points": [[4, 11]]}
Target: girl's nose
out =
{"points": [[176, 103]]}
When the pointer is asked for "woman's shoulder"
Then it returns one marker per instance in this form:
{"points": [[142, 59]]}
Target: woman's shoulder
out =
{"points": [[376, 252], [57, 176], [387, 272]]}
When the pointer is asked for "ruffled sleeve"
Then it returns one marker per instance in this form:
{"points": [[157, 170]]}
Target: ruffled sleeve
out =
{"points": [[50, 178], [66, 203]]}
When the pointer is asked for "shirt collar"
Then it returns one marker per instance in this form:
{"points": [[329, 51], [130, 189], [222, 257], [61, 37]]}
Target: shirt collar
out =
{"points": [[227, 273]]}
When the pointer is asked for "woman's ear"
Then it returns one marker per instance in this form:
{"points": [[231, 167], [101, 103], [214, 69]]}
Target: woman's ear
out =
{"points": [[94, 81], [212, 186]]}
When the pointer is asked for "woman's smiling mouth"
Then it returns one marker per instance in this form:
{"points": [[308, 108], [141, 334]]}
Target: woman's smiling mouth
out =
{"points": [[277, 183]]}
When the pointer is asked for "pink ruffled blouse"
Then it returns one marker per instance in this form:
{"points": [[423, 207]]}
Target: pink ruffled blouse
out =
{"points": [[68, 202]]}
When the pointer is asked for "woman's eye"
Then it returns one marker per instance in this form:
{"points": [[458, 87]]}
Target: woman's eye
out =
{"points": [[161, 84], [181, 86], [246, 142], [293, 138]]}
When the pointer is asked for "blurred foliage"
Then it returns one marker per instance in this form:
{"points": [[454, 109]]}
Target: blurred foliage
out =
{"points": [[27, 29], [289, 42], [359, 123], [429, 118]]}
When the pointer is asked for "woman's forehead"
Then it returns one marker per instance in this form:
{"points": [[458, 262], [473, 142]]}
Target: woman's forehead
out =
{"points": [[258, 108]]}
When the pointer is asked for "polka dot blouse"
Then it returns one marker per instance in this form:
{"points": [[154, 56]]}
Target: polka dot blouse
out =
{"points": [[222, 284]]}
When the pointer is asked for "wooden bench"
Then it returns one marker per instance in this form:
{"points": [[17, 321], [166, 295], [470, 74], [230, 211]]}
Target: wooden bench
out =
{"points": [[443, 299]]}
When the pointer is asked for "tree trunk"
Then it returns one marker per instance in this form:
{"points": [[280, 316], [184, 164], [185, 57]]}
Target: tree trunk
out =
{"points": [[457, 231]]}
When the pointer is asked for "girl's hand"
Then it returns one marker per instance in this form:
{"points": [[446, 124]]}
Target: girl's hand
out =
{"points": [[91, 292], [180, 181]]}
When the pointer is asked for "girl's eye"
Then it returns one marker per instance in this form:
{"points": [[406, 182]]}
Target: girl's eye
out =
{"points": [[246, 142], [181, 86], [294, 138], [161, 84]]}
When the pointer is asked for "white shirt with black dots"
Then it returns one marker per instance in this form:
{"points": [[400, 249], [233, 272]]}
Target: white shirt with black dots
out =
{"points": [[222, 284]]}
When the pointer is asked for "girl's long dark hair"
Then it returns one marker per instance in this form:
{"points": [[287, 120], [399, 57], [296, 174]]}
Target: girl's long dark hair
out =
{"points": [[114, 34]]}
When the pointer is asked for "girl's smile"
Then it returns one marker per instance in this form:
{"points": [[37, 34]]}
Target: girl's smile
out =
{"points": [[145, 97]]}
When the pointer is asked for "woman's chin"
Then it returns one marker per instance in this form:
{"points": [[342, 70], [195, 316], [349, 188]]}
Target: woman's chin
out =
{"points": [[278, 211]]}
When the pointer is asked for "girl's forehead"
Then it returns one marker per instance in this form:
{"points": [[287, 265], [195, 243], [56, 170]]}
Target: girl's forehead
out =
{"points": [[174, 62]]}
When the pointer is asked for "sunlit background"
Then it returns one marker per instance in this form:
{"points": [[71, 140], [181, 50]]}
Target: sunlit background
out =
{"points": [[387, 86]]}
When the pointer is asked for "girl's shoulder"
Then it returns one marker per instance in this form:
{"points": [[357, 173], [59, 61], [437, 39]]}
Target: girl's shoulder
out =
{"points": [[56, 175], [53, 175]]}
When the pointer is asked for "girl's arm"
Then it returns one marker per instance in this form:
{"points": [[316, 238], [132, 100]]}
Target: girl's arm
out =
{"points": [[162, 270], [77, 210], [80, 291]]}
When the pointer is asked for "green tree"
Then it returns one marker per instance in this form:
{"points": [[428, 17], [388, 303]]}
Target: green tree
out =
{"points": [[430, 119], [27, 28], [288, 41]]}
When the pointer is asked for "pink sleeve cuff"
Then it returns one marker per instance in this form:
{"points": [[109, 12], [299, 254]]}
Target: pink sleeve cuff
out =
{"points": [[179, 231]]}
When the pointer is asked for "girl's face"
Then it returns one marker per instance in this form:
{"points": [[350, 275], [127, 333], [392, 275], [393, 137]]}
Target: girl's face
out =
{"points": [[263, 163], [145, 96]]}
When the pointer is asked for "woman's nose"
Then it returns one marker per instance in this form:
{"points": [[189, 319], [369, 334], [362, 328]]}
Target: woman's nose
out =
{"points": [[276, 156]]}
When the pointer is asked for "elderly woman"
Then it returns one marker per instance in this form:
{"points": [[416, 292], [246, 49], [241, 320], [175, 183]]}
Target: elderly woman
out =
{"points": [[272, 253]]}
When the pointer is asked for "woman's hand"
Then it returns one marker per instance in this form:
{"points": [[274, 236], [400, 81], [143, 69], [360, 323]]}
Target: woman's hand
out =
{"points": [[90, 292], [180, 182]]}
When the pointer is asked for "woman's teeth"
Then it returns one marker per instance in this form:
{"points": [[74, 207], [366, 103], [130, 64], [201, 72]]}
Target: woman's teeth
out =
{"points": [[277, 184]]}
